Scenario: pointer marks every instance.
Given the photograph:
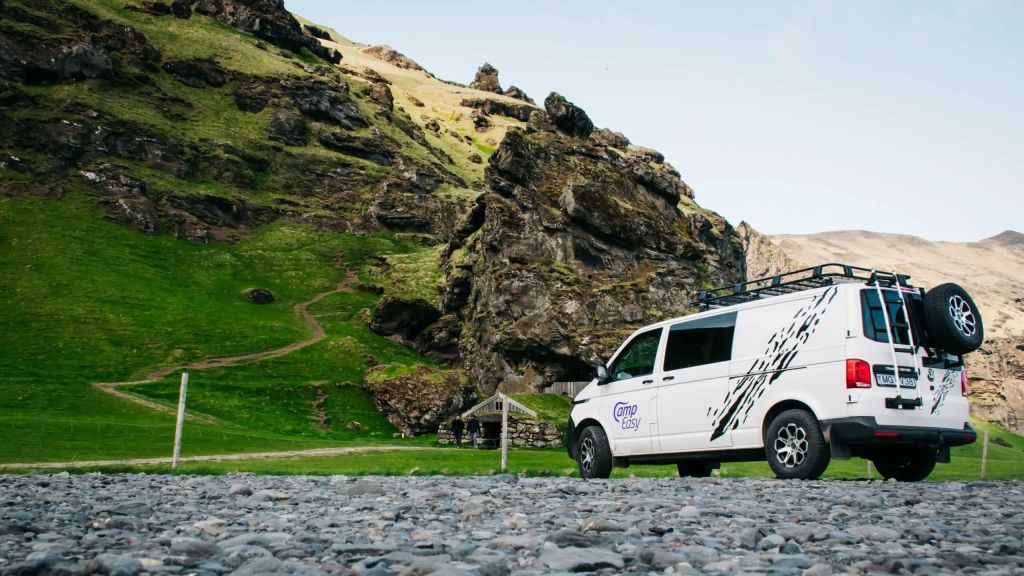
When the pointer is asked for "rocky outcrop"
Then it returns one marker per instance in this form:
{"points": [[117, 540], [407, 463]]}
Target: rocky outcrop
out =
{"points": [[197, 73], [573, 244], [764, 258], [325, 101], [486, 79], [80, 47], [317, 32], [417, 402], [996, 382], [380, 93], [268, 20], [419, 325], [404, 318], [489, 106], [567, 117], [606, 137], [395, 58], [518, 94], [288, 127]]}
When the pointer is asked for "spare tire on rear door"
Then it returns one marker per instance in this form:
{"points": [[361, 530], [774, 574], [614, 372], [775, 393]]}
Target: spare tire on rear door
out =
{"points": [[952, 319]]}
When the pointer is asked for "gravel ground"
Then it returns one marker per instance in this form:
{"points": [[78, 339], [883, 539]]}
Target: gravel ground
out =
{"points": [[246, 524]]}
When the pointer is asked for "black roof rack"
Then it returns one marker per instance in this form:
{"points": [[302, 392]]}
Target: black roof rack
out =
{"points": [[795, 281]]}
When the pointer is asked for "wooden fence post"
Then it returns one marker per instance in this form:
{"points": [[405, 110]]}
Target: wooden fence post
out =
{"points": [[181, 420], [504, 433], [984, 454]]}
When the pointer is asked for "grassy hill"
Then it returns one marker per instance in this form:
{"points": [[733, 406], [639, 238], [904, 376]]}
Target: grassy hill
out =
{"points": [[91, 301], [86, 299]]}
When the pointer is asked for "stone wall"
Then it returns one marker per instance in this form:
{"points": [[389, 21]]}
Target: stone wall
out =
{"points": [[522, 433]]}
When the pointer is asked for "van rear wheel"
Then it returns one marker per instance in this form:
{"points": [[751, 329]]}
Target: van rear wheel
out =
{"points": [[906, 466], [593, 454], [795, 446]]}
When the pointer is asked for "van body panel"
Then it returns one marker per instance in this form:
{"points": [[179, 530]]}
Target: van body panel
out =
{"points": [[717, 374]]}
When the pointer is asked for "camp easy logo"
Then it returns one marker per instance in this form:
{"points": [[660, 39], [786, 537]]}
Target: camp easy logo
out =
{"points": [[625, 414]]}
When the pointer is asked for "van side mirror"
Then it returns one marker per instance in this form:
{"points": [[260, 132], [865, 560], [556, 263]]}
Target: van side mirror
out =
{"points": [[602, 375]]}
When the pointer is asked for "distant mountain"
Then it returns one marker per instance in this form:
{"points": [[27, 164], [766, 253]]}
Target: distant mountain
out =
{"points": [[992, 270]]}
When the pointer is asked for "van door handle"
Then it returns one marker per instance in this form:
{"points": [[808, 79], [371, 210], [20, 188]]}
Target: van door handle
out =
{"points": [[648, 382], [667, 378]]}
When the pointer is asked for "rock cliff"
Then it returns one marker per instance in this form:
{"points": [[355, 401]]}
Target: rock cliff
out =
{"points": [[573, 244]]}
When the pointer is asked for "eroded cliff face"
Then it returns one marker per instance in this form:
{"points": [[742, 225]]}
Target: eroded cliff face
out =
{"points": [[575, 241], [996, 380]]}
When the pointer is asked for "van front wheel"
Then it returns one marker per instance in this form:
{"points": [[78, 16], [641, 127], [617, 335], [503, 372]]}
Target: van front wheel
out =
{"points": [[795, 446], [593, 454]]}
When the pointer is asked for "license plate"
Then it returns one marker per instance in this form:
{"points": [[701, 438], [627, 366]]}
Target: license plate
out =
{"points": [[890, 380]]}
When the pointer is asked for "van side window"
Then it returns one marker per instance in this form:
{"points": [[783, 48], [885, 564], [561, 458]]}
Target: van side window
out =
{"points": [[638, 357], [874, 319], [700, 342]]}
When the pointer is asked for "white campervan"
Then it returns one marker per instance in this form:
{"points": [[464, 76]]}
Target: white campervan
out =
{"points": [[830, 362]]}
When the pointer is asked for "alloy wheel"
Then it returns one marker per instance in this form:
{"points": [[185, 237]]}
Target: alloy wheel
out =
{"points": [[791, 445]]}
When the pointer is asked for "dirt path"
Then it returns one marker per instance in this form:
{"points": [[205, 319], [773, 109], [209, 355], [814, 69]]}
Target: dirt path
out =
{"points": [[301, 309], [211, 457]]}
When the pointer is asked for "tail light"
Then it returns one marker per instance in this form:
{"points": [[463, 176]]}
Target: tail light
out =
{"points": [[858, 374], [963, 382]]}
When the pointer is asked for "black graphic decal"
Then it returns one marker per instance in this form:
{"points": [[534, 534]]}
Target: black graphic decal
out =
{"points": [[779, 353], [948, 383]]}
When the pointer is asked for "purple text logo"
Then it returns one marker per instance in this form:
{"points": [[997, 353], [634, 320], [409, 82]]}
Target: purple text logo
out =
{"points": [[625, 414]]}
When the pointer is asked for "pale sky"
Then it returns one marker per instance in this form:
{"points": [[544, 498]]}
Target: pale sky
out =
{"points": [[797, 117]]}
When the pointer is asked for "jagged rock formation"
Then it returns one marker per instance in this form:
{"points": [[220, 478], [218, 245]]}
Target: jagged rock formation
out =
{"points": [[571, 119], [417, 402], [74, 139], [518, 94], [486, 79], [572, 244], [996, 381], [764, 258], [488, 106], [392, 56], [989, 269], [266, 19]]}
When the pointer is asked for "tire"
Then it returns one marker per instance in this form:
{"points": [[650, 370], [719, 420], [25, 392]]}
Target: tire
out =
{"points": [[593, 454], [906, 466], [795, 446], [695, 468], [952, 319]]}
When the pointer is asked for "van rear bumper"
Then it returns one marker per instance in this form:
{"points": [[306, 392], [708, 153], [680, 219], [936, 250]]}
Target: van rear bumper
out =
{"points": [[865, 430]]}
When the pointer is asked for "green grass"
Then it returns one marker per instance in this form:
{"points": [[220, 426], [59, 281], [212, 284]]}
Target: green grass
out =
{"points": [[534, 462], [283, 395], [550, 407], [412, 275], [85, 300], [487, 150], [197, 37]]}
